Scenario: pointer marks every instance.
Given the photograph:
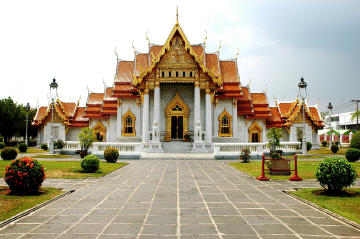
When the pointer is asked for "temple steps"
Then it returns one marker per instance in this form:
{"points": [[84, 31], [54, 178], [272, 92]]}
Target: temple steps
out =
{"points": [[176, 147]]}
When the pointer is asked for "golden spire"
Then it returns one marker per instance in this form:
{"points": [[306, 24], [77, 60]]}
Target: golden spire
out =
{"points": [[266, 88], [237, 56], [205, 38], [133, 47], [117, 57], [177, 16], [219, 47], [317, 105], [148, 39]]}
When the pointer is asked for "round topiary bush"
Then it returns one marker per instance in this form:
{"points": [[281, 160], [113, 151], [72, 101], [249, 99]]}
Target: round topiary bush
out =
{"points": [[2, 145], [24, 175], [44, 146], [308, 146], [334, 148], [22, 147], [352, 155], [324, 143], [334, 174], [90, 163], [355, 141], [111, 155], [8, 153]]}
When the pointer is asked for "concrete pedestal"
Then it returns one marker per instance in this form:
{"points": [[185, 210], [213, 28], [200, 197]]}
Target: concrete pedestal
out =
{"points": [[198, 147], [155, 147]]}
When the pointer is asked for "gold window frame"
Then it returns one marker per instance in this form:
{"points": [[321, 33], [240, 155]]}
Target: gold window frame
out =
{"points": [[100, 128], [127, 114], [255, 128], [225, 114]]}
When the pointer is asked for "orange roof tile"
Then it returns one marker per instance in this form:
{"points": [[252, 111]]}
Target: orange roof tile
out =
{"points": [[95, 98], [68, 108], [228, 71], [211, 61], [284, 108], [258, 98], [275, 114], [108, 94], [125, 71], [245, 94], [198, 51], [111, 112], [231, 88], [40, 113], [262, 109], [262, 115], [155, 50], [315, 113], [93, 109], [123, 87], [244, 105], [125, 95], [109, 105], [79, 116], [141, 63]]}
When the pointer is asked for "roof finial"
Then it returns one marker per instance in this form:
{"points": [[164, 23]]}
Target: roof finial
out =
{"points": [[88, 89], [249, 82], [205, 38], [318, 103], [148, 39], [177, 16], [237, 54], [266, 88], [117, 57], [284, 98], [219, 47], [133, 47]]}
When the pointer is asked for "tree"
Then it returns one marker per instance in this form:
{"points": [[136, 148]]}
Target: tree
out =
{"points": [[274, 136], [299, 136], [355, 115]]}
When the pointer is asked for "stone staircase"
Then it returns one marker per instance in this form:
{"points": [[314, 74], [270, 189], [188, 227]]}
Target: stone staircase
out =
{"points": [[176, 147]]}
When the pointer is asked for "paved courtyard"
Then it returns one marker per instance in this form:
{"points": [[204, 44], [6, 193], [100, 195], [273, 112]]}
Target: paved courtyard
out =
{"points": [[178, 199]]}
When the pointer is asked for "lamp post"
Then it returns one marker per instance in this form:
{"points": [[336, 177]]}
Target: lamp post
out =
{"points": [[53, 94], [330, 107], [303, 94], [27, 107]]}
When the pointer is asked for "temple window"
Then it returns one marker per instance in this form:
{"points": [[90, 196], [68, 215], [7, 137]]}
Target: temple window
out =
{"points": [[190, 73], [100, 131], [163, 74], [177, 74], [128, 124], [184, 74], [225, 124]]}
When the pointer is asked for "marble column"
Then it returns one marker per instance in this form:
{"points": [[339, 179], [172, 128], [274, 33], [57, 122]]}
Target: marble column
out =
{"points": [[196, 101], [146, 117], [208, 112], [157, 101], [119, 119], [234, 119]]}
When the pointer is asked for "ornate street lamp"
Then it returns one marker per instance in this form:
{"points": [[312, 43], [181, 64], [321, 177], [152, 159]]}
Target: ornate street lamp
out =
{"points": [[53, 94], [303, 94], [330, 107], [27, 107]]}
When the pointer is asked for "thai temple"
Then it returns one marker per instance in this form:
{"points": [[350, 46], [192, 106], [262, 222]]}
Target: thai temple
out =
{"points": [[178, 94]]}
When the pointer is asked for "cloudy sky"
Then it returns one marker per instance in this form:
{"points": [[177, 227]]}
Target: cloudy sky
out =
{"points": [[279, 42]]}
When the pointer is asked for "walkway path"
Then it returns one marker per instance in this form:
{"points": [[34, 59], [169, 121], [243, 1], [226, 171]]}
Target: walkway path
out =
{"points": [[178, 199]]}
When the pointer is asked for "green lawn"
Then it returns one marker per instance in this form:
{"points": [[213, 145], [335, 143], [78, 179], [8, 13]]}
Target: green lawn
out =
{"points": [[52, 156], [306, 169], [30, 151], [12, 204], [70, 169], [347, 207], [327, 151]]}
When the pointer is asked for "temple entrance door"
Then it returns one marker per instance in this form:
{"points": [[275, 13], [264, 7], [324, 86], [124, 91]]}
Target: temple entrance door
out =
{"points": [[177, 127]]}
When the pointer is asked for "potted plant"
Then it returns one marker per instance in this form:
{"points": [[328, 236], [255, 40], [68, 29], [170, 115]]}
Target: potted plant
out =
{"points": [[245, 155], [186, 138], [86, 139], [58, 146]]}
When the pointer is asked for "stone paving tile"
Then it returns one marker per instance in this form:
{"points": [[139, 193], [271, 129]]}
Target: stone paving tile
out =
{"points": [[178, 199]]}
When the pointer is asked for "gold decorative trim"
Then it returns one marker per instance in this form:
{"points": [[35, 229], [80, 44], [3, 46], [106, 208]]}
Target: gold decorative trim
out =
{"points": [[119, 102], [133, 118], [169, 112], [255, 128], [229, 117], [166, 47], [138, 102], [216, 102]]}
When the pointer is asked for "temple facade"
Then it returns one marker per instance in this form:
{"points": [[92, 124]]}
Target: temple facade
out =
{"points": [[178, 92]]}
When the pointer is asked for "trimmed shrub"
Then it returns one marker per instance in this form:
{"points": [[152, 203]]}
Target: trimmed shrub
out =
{"points": [[337, 142], [59, 144], [308, 146], [352, 154], [335, 173], [24, 175], [245, 155], [44, 146], [8, 153], [22, 147], [111, 155], [334, 148], [2, 145], [90, 163], [355, 141], [324, 143]]}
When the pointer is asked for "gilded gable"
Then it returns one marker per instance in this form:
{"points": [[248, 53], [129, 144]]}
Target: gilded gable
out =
{"points": [[177, 55]]}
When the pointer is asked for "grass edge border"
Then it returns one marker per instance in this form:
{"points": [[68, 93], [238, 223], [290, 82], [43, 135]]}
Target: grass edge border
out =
{"points": [[326, 211], [33, 209]]}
